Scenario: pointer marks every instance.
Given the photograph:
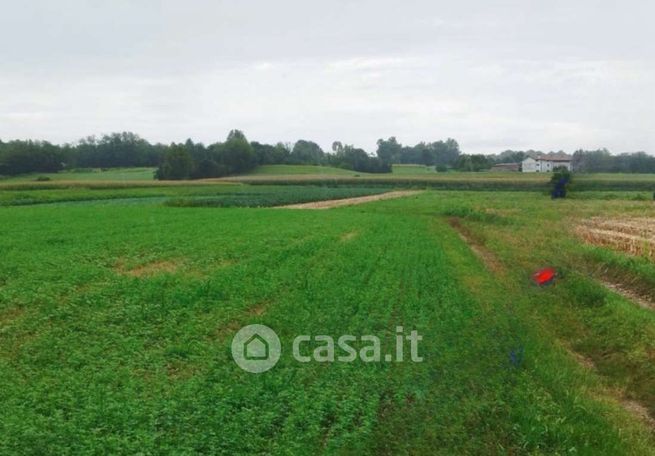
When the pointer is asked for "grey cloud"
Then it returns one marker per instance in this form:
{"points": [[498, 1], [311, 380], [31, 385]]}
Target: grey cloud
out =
{"points": [[494, 75]]}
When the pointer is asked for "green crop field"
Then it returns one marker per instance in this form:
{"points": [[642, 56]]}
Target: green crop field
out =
{"points": [[179, 195], [283, 170], [403, 176], [83, 175], [412, 169], [116, 323], [421, 177]]}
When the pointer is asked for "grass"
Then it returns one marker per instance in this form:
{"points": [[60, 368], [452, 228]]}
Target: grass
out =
{"points": [[275, 196], [200, 195], [483, 181], [404, 176], [116, 322], [412, 169], [84, 175], [284, 170]]}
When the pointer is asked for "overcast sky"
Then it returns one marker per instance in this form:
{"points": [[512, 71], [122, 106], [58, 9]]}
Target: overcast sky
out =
{"points": [[494, 75]]}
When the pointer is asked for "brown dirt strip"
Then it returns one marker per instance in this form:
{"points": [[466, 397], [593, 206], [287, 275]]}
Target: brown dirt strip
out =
{"points": [[476, 245], [630, 295], [328, 204]]}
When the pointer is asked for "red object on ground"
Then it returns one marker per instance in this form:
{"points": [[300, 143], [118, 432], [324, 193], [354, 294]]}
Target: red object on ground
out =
{"points": [[544, 276]]}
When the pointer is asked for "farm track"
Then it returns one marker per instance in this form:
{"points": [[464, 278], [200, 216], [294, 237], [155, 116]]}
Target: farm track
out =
{"points": [[633, 407], [487, 256], [328, 204], [630, 295], [493, 264]]}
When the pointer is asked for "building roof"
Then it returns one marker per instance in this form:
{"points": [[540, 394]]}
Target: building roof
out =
{"points": [[551, 156]]}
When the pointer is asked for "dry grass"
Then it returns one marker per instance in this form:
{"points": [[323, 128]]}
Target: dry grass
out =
{"points": [[635, 236], [345, 237], [148, 269]]}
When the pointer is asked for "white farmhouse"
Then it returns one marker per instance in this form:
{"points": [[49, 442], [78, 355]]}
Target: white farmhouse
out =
{"points": [[545, 163]]}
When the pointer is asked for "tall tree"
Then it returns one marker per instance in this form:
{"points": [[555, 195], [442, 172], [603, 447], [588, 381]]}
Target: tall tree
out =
{"points": [[177, 164], [307, 152], [389, 151]]}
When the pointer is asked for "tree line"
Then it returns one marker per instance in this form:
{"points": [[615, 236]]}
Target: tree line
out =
{"points": [[109, 151], [237, 155], [602, 161], [191, 160], [583, 161]]}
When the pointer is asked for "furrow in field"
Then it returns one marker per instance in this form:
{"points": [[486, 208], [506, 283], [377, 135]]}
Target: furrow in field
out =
{"points": [[487, 256], [630, 295], [631, 406]]}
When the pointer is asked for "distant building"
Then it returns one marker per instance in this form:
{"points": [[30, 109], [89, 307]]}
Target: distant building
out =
{"points": [[545, 163], [506, 167]]}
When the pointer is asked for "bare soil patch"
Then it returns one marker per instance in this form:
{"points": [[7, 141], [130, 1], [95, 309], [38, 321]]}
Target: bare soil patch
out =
{"points": [[8, 316], [345, 237], [643, 301], [328, 204], [639, 411], [149, 269], [635, 236]]}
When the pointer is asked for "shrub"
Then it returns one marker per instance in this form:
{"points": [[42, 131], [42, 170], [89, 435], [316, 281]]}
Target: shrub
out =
{"points": [[586, 293], [559, 182]]}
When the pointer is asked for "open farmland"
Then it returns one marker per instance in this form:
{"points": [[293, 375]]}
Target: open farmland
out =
{"points": [[208, 195], [417, 176], [404, 176], [115, 330]]}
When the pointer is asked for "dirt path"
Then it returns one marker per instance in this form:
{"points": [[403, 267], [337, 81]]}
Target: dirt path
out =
{"points": [[634, 407], [350, 201], [487, 256], [629, 294]]}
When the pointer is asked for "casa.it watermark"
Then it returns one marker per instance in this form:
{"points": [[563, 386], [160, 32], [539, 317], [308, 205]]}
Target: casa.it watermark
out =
{"points": [[257, 348]]}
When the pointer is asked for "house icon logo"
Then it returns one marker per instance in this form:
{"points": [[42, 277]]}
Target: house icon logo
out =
{"points": [[256, 348]]}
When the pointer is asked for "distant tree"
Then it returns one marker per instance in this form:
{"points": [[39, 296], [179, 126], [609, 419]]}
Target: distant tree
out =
{"points": [[476, 162], [236, 153], [595, 161], [434, 153], [19, 157], [350, 157], [508, 156], [307, 153], [176, 165], [389, 151], [447, 152], [236, 135], [207, 168]]}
